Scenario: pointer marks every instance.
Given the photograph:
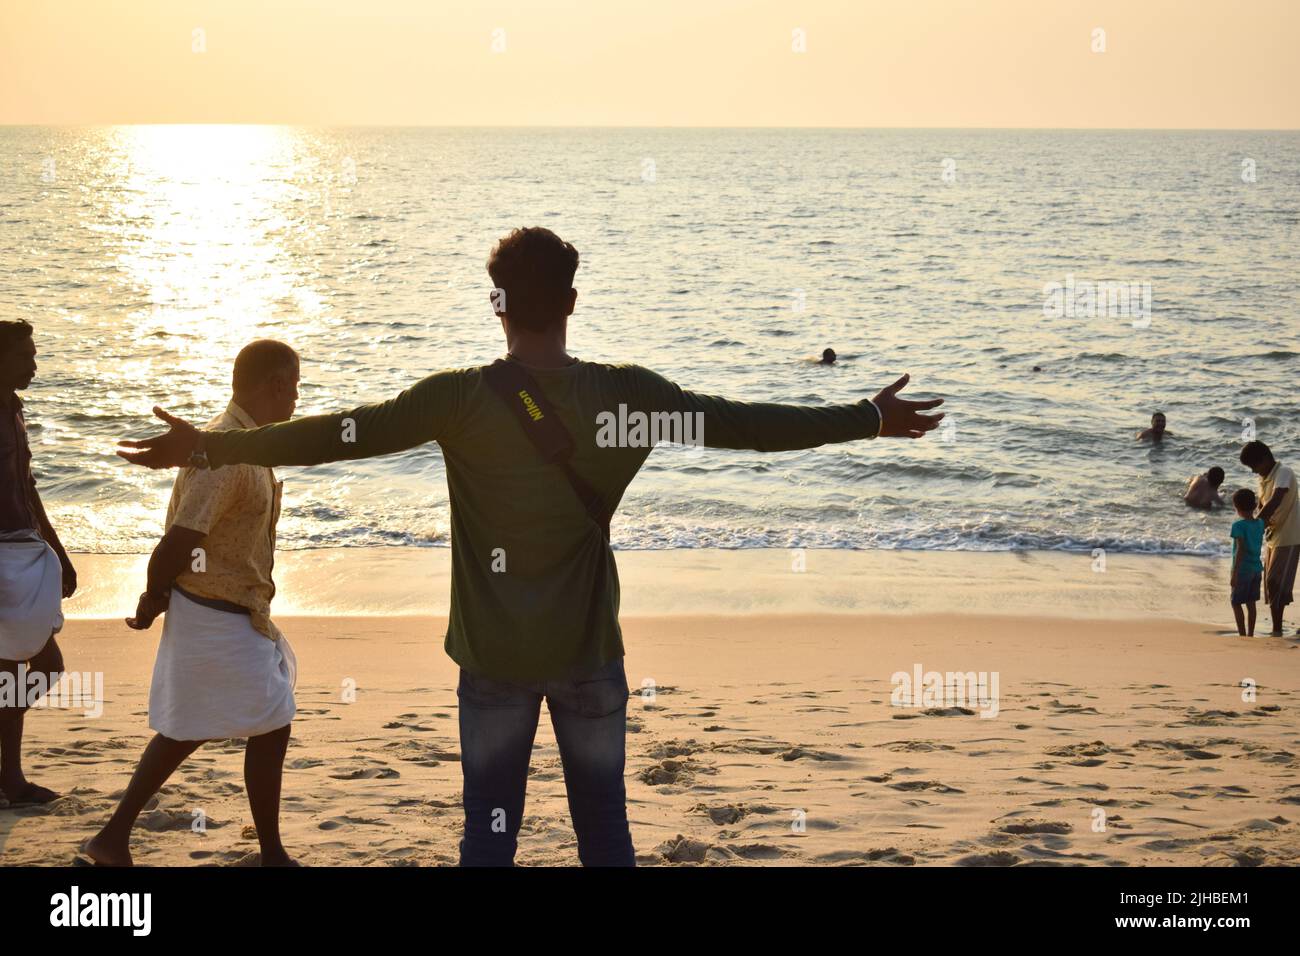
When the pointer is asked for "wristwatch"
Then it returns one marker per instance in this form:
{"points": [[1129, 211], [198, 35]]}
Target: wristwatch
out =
{"points": [[199, 457]]}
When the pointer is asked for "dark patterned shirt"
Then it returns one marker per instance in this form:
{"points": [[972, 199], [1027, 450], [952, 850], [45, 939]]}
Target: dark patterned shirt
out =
{"points": [[531, 623], [16, 482]]}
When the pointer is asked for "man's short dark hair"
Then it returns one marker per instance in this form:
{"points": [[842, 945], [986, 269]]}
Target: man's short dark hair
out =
{"points": [[11, 333], [534, 268], [1215, 475], [1243, 499], [1255, 453], [258, 361]]}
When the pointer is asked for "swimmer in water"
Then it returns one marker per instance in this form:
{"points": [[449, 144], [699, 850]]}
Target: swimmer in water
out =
{"points": [[1156, 433], [1203, 490]]}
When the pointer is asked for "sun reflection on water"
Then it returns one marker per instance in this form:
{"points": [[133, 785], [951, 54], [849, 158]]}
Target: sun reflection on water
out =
{"points": [[198, 223], [203, 225]]}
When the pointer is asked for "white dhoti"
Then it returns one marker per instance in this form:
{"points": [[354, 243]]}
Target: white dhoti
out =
{"points": [[216, 676], [31, 595]]}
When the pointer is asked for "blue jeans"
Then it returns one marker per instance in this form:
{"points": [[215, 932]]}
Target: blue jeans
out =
{"points": [[498, 721]]}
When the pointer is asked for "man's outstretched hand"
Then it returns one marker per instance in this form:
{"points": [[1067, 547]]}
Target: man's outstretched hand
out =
{"points": [[169, 450], [901, 417]]}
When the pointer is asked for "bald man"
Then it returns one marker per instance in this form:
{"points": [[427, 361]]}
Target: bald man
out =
{"points": [[223, 668]]}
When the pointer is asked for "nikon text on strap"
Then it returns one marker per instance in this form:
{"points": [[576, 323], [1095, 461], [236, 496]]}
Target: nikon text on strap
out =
{"points": [[523, 396]]}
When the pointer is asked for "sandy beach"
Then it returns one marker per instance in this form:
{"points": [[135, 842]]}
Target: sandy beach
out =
{"points": [[1122, 734]]}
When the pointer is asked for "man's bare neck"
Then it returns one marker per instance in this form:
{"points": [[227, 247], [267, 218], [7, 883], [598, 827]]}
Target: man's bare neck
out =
{"points": [[253, 409], [539, 351], [543, 359]]}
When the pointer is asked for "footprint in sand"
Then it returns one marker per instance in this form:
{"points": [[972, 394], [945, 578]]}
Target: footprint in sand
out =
{"points": [[1072, 708], [334, 823], [403, 725], [420, 752], [674, 748], [758, 851], [1248, 856], [688, 850], [861, 857], [912, 785], [996, 858], [1037, 826], [915, 746], [1094, 748], [1177, 822], [749, 745], [1205, 790], [1192, 750], [800, 753], [729, 813], [684, 849], [160, 820], [814, 709], [669, 773], [1266, 754], [1217, 718], [948, 712], [366, 773], [223, 858]]}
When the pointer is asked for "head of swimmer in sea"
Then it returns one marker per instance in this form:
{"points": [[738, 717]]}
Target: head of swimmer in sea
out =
{"points": [[1215, 477], [828, 356], [1243, 501], [17, 356], [1158, 423]]}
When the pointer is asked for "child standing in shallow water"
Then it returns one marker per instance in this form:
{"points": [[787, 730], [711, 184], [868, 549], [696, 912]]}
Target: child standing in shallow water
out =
{"points": [[1247, 568]]}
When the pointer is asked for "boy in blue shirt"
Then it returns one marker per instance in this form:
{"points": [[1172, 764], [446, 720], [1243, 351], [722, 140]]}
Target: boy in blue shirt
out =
{"points": [[1247, 568]]}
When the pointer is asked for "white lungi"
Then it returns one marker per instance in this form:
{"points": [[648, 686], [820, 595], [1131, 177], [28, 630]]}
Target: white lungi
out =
{"points": [[216, 676], [31, 595]]}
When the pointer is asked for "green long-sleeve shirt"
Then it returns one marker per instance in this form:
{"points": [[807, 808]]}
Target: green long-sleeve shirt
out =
{"points": [[525, 554]]}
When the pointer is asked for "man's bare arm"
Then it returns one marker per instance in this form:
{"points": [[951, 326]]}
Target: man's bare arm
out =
{"points": [[51, 538], [172, 555], [1273, 503]]}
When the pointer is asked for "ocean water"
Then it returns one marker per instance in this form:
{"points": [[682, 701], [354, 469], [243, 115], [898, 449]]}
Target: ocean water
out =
{"points": [[146, 256]]}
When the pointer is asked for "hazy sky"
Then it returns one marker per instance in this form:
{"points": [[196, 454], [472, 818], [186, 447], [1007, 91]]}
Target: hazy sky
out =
{"points": [[1019, 63]]}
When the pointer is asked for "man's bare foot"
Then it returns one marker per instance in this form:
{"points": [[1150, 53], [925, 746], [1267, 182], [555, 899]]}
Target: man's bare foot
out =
{"points": [[278, 859], [24, 792], [103, 852]]}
